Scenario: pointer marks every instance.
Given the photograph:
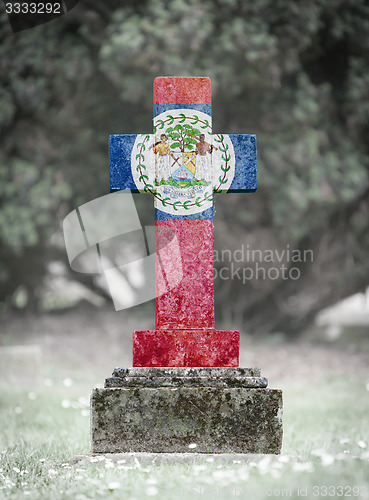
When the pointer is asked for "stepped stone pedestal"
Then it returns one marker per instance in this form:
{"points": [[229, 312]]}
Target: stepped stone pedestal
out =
{"points": [[165, 410], [185, 392]]}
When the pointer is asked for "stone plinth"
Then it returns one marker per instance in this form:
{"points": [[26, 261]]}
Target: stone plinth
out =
{"points": [[165, 410]]}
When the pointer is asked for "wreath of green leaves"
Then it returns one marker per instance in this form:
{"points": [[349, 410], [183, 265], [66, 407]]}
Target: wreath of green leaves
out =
{"points": [[144, 178]]}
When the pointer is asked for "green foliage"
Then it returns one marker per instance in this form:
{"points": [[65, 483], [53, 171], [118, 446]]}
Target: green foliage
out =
{"points": [[314, 167], [31, 197]]}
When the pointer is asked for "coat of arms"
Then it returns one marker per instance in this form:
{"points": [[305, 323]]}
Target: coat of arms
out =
{"points": [[190, 163], [183, 157]]}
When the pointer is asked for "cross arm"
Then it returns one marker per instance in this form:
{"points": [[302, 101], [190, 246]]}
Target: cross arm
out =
{"points": [[121, 154], [244, 180]]}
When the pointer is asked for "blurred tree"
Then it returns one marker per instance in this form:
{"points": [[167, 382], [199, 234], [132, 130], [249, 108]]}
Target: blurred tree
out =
{"points": [[297, 75]]}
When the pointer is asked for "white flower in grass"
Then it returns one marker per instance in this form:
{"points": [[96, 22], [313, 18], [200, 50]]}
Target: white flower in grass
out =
{"points": [[341, 456], [93, 481], [85, 413], [8, 482], [94, 459], [42, 460], [84, 402], [264, 464], [210, 459], [344, 440], [26, 492], [124, 467], [277, 465], [152, 491], [67, 382], [15, 469], [243, 474], [65, 403], [361, 444], [220, 474], [275, 473], [367, 386], [152, 480], [52, 472], [303, 467], [109, 465], [327, 460], [18, 410], [114, 485], [121, 461], [192, 446], [32, 396], [206, 479], [199, 467], [318, 453]]}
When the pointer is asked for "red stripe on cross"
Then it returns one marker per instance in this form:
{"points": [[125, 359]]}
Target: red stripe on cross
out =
{"points": [[182, 90]]}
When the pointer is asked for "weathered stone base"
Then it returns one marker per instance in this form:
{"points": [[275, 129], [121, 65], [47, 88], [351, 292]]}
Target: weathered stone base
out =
{"points": [[127, 416]]}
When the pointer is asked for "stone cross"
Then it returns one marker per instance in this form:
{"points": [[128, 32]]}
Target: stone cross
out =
{"points": [[181, 165]]}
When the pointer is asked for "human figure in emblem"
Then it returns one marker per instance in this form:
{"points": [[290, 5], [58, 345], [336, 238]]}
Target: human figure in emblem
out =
{"points": [[203, 164], [162, 148]]}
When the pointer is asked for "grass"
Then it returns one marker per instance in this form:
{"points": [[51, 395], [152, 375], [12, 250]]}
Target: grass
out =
{"points": [[325, 451]]}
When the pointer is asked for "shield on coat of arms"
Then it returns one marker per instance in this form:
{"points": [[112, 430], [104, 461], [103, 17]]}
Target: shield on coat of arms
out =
{"points": [[189, 161]]}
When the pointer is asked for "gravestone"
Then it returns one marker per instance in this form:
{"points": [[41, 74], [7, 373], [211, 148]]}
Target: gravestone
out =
{"points": [[185, 391]]}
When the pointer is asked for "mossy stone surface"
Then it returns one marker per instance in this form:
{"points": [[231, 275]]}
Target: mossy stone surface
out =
{"points": [[168, 420]]}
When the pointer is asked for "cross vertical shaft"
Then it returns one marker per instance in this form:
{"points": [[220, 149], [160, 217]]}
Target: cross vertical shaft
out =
{"points": [[191, 305]]}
